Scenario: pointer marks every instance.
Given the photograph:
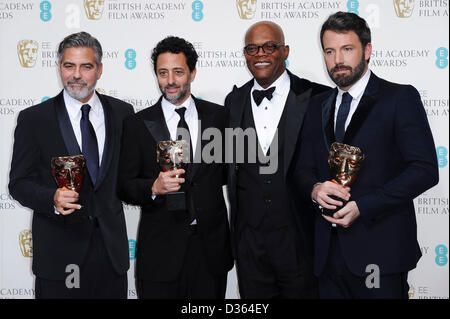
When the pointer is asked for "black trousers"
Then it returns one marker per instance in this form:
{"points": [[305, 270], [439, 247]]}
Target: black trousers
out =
{"points": [[98, 279], [194, 281], [338, 282], [270, 264]]}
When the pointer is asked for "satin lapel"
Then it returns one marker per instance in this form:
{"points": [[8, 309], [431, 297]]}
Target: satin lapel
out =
{"points": [[363, 110], [295, 109], [328, 107], [238, 104], [110, 140], [65, 127], [157, 123]]}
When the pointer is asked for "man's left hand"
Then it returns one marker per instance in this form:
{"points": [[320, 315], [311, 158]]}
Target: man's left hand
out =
{"points": [[345, 216]]}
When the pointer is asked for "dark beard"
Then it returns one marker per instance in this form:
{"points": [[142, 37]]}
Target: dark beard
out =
{"points": [[355, 75]]}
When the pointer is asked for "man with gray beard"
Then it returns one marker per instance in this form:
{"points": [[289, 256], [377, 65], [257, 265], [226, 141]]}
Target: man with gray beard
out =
{"points": [[183, 250], [80, 245]]}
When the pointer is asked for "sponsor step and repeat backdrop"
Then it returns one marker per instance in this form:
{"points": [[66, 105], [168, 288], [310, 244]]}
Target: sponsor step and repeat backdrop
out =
{"points": [[410, 45]]}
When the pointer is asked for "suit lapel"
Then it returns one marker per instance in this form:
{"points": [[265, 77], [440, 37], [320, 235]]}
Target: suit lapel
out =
{"points": [[238, 104], [156, 123], [328, 107], [110, 140], [205, 121], [364, 108], [296, 106], [65, 126]]}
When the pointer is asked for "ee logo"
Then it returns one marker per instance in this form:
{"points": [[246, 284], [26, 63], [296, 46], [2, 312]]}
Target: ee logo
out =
{"points": [[352, 6], [46, 15], [132, 248], [441, 255], [442, 154], [197, 7], [442, 58], [130, 59]]}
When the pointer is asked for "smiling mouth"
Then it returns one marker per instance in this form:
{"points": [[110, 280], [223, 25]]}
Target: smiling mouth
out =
{"points": [[261, 64], [171, 89]]}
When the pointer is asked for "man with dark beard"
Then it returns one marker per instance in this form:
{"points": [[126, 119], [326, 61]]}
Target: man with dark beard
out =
{"points": [[82, 235], [366, 248], [183, 250]]}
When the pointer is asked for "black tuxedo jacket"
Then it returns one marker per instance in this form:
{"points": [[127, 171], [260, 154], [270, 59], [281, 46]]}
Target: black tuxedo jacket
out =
{"points": [[300, 93], [163, 234], [391, 128], [44, 131]]}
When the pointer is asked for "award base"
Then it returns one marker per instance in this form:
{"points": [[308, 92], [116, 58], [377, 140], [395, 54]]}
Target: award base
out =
{"points": [[330, 212], [176, 201]]}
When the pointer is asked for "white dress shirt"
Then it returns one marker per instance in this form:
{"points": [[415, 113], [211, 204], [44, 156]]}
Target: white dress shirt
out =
{"points": [[172, 119], [96, 117], [356, 91], [268, 113]]}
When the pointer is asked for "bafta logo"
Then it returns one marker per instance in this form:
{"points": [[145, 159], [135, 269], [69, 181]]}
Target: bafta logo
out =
{"points": [[27, 50], [25, 243], [100, 90], [246, 9], [411, 292], [404, 8], [94, 9]]}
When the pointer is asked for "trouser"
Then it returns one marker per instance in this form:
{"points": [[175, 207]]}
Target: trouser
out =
{"points": [[338, 282], [194, 281], [98, 279]]}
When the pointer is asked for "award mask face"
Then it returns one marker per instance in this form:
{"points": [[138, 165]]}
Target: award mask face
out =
{"points": [[27, 51], [404, 8], [26, 244], [246, 9], [172, 155], [94, 9], [345, 162], [68, 171]]}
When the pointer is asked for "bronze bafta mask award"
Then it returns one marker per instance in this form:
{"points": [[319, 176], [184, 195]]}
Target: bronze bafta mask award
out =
{"points": [[68, 171], [172, 155], [344, 162]]}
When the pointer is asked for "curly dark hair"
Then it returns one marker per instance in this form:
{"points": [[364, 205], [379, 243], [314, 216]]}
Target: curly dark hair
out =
{"points": [[176, 45]]}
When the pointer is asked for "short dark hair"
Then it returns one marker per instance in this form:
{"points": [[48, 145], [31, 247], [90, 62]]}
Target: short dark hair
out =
{"points": [[347, 21], [176, 45], [81, 39]]}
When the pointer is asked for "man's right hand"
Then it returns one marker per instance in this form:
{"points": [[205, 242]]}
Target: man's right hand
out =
{"points": [[64, 200], [321, 192], [168, 182]]}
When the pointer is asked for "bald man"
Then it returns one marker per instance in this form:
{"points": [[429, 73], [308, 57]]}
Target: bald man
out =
{"points": [[271, 234]]}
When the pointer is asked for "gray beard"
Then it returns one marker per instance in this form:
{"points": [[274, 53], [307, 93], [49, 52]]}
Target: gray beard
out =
{"points": [[177, 98], [81, 94]]}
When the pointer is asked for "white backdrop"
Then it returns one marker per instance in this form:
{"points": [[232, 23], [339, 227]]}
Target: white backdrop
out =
{"points": [[409, 46]]}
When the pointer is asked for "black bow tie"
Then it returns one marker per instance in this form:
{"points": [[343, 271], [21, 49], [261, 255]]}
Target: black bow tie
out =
{"points": [[259, 95]]}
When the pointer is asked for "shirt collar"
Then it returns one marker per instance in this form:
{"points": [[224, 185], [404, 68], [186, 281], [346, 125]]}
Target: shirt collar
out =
{"points": [[282, 84], [169, 108], [359, 87], [73, 106]]}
